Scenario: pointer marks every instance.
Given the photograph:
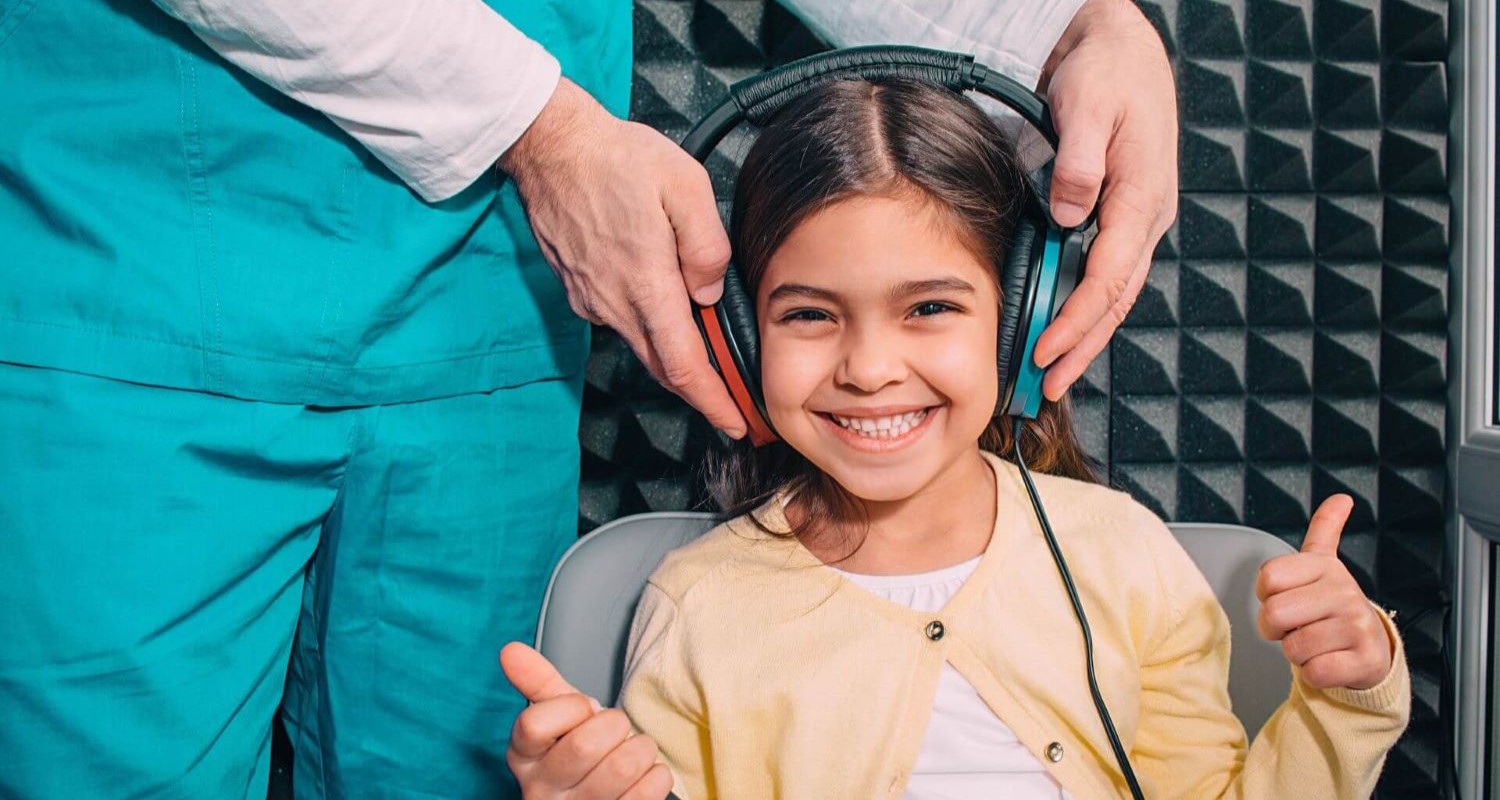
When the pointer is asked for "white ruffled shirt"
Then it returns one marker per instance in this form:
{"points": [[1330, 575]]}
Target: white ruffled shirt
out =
{"points": [[968, 753]]}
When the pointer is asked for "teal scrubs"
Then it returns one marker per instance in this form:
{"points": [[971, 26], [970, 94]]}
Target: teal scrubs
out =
{"points": [[269, 423]]}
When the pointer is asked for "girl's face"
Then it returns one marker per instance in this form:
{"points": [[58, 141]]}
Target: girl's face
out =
{"points": [[878, 336]]}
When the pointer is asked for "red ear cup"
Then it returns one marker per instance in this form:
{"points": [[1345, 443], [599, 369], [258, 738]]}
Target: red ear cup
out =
{"points": [[728, 367]]}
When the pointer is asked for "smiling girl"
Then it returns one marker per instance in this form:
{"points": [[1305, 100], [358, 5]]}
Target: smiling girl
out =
{"points": [[882, 617]]}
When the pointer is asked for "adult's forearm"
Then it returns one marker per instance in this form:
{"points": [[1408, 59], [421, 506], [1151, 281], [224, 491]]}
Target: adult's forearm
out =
{"points": [[435, 89]]}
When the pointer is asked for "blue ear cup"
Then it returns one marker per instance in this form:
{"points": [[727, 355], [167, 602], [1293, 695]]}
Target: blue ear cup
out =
{"points": [[1026, 396], [1016, 285], [1038, 273], [1055, 273]]}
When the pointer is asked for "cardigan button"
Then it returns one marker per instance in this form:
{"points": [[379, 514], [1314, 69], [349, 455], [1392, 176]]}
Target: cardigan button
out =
{"points": [[935, 630], [1054, 752]]}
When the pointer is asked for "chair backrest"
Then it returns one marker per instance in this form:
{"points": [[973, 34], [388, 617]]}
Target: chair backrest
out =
{"points": [[593, 593]]}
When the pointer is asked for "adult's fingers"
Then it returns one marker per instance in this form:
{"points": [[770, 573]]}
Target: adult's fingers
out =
{"points": [[532, 674], [1127, 234], [1327, 525], [702, 244], [1064, 372], [1083, 130], [674, 350]]}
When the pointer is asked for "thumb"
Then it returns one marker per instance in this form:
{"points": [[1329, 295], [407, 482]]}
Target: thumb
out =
{"points": [[1327, 525], [532, 674], [1078, 171], [702, 244]]}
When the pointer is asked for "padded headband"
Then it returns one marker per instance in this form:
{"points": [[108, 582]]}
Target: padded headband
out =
{"points": [[759, 97], [756, 99]]}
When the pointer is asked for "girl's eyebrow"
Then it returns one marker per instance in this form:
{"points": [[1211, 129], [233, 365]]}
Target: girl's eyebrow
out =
{"points": [[933, 285], [789, 290], [899, 291]]}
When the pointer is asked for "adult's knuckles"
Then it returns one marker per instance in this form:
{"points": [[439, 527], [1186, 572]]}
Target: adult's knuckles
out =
{"points": [[1074, 178], [1116, 288], [707, 253], [680, 375], [1117, 296]]}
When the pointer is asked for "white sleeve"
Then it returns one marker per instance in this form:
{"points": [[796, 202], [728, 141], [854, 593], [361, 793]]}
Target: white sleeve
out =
{"points": [[436, 89], [1012, 36]]}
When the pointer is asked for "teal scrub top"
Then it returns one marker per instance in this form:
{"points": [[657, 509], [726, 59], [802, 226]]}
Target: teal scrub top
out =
{"points": [[167, 219]]}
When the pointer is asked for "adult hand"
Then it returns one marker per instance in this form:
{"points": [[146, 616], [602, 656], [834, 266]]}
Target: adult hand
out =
{"points": [[1115, 109], [1314, 607], [564, 747], [628, 222]]}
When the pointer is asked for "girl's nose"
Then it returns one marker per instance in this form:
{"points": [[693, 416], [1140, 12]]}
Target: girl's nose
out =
{"points": [[871, 362]]}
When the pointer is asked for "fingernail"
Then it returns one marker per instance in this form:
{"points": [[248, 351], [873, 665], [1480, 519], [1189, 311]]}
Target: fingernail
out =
{"points": [[595, 705], [708, 295], [1067, 214]]}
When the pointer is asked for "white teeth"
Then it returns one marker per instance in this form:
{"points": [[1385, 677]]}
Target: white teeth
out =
{"points": [[882, 427]]}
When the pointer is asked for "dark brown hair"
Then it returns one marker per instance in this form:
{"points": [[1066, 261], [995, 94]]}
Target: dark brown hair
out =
{"points": [[891, 138]]}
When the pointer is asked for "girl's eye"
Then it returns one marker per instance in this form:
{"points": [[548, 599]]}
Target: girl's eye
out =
{"points": [[805, 315], [931, 308]]}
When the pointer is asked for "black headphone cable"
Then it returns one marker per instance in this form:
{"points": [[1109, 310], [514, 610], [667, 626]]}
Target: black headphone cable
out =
{"points": [[1083, 622]]}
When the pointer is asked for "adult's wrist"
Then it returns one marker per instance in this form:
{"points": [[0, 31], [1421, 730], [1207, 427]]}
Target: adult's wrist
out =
{"points": [[1094, 17], [555, 129]]}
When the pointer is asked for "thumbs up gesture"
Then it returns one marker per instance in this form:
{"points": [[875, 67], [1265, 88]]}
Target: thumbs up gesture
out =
{"points": [[565, 747], [1313, 606]]}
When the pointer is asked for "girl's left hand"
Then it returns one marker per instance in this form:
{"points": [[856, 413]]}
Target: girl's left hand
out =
{"points": [[1314, 607]]}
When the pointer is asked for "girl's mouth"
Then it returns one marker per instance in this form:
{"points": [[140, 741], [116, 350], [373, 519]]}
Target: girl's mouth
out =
{"points": [[880, 434]]}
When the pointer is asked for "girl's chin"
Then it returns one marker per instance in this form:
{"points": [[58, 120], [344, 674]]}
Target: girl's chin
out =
{"points": [[871, 486]]}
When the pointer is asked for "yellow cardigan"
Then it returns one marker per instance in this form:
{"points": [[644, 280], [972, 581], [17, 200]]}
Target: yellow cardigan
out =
{"points": [[763, 674]]}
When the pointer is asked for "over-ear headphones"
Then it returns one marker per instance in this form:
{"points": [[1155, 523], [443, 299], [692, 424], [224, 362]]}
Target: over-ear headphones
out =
{"points": [[1038, 273]]}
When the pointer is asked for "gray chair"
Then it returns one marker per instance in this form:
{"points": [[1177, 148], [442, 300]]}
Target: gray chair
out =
{"points": [[592, 596]]}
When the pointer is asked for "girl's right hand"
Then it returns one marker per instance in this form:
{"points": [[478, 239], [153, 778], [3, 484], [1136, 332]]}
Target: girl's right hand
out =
{"points": [[565, 747]]}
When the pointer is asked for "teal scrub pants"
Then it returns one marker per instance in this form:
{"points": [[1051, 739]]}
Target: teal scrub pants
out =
{"points": [[171, 561]]}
